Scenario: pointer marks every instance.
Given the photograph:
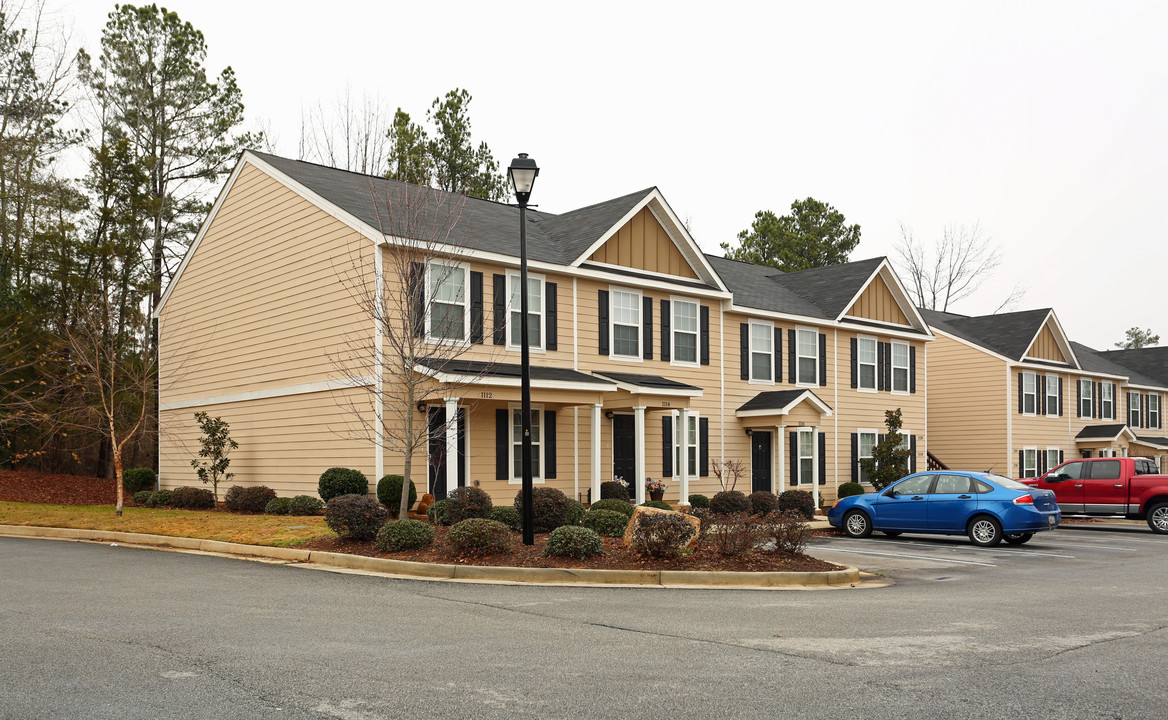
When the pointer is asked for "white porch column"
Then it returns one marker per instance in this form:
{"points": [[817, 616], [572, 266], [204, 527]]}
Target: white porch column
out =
{"points": [[639, 454], [815, 465], [595, 476], [451, 445], [779, 481], [683, 418]]}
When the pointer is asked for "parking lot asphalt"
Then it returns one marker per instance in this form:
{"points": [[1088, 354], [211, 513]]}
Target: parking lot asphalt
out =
{"points": [[915, 555]]}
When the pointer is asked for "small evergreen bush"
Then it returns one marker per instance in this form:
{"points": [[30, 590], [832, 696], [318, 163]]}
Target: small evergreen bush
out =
{"points": [[338, 481], [389, 490], [507, 515], [159, 498], [142, 497], [242, 499], [609, 523], [849, 489], [660, 535], [549, 508], [659, 504], [763, 502], [278, 506], [468, 502], [479, 536], [135, 480], [576, 512], [612, 490], [355, 517], [408, 534], [192, 498], [436, 514], [699, 501], [621, 506], [800, 501], [729, 502], [305, 505], [573, 542]]}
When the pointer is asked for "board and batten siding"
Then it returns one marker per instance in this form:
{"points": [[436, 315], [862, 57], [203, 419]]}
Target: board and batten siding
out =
{"points": [[643, 244], [1045, 347], [969, 396]]}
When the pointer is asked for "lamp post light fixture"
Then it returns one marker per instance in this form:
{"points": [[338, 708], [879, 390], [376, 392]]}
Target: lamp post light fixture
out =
{"points": [[523, 172]]}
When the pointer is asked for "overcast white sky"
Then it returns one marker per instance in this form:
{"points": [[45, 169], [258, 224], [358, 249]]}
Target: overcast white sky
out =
{"points": [[1045, 121]]}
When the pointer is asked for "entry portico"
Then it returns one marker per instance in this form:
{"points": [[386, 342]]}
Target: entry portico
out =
{"points": [[795, 416]]}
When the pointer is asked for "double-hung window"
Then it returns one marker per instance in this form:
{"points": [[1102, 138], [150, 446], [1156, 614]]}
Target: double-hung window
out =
{"points": [[1030, 462], [807, 351], [866, 363], [1107, 401], [626, 324], [865, 441], [1029, 393], [534, 312], [685, 331], [517, 442], [1153, 411], [899, 367], [762, 351], [1086, 395], [807, 456], [448, 318], [1133, 409], [685, 442], [1052, 395]]}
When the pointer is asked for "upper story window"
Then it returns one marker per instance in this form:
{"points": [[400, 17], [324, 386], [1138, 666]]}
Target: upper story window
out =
{"points": [[685, 331], [1134, 409], [1029, 394], [1086, 396], [899, 367], [626, 324], [1107, 401], [762, 351], [1153, 411], [1052, 395], [535, 313], [807, 353], [448, 318], [866, 363]]}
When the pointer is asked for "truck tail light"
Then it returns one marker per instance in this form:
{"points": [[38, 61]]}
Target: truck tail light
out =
{"points": [[1026, 499]]}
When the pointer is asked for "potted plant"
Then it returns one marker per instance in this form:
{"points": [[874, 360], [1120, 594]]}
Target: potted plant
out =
{"points": [[656, 488]]}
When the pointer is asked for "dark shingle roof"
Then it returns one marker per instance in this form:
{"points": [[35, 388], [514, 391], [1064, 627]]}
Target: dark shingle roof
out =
{"points": [[1094, 361], [649, 381], [1101, 432], [818, 293], [1008, 334], [831, 289], [1149, 362], [774, 400], [511, 370], [577, 230], [1159, 442]]}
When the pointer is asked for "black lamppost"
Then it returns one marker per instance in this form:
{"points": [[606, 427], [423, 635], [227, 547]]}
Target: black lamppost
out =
{"points": [[523, 172]]}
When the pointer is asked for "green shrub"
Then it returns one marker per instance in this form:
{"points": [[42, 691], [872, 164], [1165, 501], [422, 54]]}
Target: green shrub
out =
{"points": [[242, 499], [576, 512], [142, 497], [763, 502], [278, 506], [849, 489], [612, 490], [408, 534], [573, 542], [621, 506], [479, 536], [609, 523], [192, 498], [549, 508], [800, 501], [135, 480], [699, 501], [159, 498], [389, 493], [507, 515], [436, 514], [338, 481], [729, 502], [661, 535], [659, 504], [305, 505], [355, 517], [467, 502]]}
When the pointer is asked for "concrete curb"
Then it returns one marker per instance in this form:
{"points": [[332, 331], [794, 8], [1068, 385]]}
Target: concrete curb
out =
{"points": [[542, 576]]}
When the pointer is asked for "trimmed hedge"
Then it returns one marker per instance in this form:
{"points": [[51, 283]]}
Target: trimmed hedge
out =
{"points": [[408, 534], [242, 499], [549, 508], [277, 506], [576, 512], [135, 480], [698, 500], [305, 505], [729, 502], [849, 489], [468, 502], [355, 517], [389, 493], [338, 481], [436, 514], [659, 504], [800, 501], [192, 498], [573, 542], [159, 498], [507, 515], [763, 502], [142, 497], [479, 536], [621, 506], [609, 523], [612, 490]]}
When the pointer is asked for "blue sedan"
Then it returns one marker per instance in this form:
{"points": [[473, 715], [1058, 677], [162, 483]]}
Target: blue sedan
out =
{"points": [[988, 508]]}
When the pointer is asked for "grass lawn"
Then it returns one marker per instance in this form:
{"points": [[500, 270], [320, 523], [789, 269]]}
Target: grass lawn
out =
{"points": [[277, 530]]}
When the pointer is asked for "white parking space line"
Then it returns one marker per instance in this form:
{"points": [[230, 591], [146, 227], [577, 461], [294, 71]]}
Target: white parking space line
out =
{"points": [[904, 555], [1027, 551], [1097, 547], [1122, 539]]}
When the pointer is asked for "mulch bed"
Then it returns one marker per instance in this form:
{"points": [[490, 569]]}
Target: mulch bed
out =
{"points": [[616, 557], [29, 486]]}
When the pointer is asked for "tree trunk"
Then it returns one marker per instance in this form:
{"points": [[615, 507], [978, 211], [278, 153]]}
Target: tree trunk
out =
{"points": [[408, 466]]}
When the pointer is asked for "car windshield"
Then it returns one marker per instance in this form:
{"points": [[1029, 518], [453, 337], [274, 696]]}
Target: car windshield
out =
{"points": [[1008, 483]]}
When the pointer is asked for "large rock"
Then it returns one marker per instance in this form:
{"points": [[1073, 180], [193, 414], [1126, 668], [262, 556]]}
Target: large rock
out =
{"points": [[642, 510]]}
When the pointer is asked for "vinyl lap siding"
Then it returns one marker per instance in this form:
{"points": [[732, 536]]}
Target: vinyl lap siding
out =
{"points": [[968, 398]]}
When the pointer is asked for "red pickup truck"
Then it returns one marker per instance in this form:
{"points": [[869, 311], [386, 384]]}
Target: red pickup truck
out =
{"points": [[1132, 487]]}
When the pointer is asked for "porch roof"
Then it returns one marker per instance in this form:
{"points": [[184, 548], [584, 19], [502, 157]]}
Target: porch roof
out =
{"points": [[649, 384], [1105, 432], [780, 402], [509, 374], [1157, 443]]}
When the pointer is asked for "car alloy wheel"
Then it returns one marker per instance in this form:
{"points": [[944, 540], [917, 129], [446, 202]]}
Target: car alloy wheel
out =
{"points": [[1158, 518], [985, 531], [857, 524]]}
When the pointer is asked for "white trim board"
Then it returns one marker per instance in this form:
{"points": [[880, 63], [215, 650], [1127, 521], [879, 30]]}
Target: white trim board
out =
{"points": [[284, 391]]}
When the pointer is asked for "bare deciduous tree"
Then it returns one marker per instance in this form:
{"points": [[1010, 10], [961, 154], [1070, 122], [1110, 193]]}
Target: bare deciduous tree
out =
{"points": [[352, 134], [728, 472], [953, 268]]}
